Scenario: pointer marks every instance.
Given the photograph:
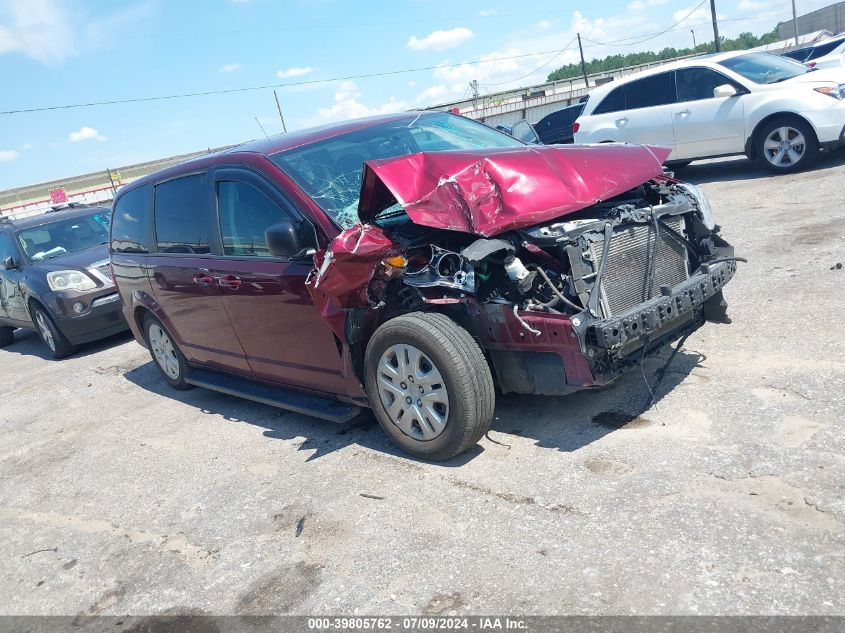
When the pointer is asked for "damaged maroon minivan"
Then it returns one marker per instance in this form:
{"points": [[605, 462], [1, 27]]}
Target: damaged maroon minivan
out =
{"points": [[412, 263]]}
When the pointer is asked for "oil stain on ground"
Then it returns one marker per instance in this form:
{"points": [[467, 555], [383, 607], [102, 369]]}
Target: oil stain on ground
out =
{"points": [[620, 420], [283, 591]]}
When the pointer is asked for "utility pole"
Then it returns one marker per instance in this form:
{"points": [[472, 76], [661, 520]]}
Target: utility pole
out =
{"points": [[583, 65], [716, 40], [111, 181], [279, 108], [475, 94], [794, 23], [693, 39]]}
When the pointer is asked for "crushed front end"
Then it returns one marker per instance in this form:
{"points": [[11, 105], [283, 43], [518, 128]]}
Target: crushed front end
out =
{"points": [[558, 305]]}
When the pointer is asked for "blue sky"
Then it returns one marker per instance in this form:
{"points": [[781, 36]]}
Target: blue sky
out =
{"points": [[55, 52]]}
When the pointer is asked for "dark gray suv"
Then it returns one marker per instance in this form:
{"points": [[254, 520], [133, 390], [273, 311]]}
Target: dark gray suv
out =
{"points": [[55, 278]]}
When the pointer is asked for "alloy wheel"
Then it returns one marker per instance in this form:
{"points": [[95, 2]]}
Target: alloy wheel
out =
{"points": [[784, 146], [413, 392], [44, 330], [163, 351]]}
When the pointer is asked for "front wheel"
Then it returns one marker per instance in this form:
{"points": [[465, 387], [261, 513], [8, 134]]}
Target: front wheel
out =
{"points": [[55, 341], [786, 145], [168, 357], [429, 385]]}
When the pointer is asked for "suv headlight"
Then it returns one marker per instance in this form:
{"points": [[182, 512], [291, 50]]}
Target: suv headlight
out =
{"points": [[69, 280], [704, 208]]}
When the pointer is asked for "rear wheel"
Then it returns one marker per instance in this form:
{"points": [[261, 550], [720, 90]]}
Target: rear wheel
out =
{"points": [[429, 385], [7, 335], [56, 342], [786, 145], [166, 354]]}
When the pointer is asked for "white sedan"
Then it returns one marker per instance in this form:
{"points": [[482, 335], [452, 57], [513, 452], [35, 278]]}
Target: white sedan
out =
{"points": [[769, 108]]}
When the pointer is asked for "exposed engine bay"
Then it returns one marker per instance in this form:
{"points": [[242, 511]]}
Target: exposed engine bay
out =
{"points": [[560, 305]]}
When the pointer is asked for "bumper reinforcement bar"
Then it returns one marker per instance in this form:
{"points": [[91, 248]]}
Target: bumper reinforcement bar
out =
{"points": [[654, 314]]}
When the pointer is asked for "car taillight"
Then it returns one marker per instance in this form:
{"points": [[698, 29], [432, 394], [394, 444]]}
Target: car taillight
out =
{"points": [[575, 127]]}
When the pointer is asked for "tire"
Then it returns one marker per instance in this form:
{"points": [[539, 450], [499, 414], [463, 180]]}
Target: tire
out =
{"points": [[56, 342], [7, 335], [447, 368], [167, 357], [782, 155]]}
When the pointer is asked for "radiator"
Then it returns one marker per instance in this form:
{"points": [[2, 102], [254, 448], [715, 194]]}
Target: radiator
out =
{"points": [[624, 277]]}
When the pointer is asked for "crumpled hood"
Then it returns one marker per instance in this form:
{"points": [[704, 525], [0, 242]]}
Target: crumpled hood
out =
{"points": [[488, 192]]}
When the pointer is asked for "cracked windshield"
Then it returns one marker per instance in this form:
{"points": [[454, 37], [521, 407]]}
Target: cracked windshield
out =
{"points": [[329, 171]]}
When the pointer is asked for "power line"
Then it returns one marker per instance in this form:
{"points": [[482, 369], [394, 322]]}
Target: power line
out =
{"points": [[650, 37], [540, 67], [627, 40], [264, 87], [557, 53]]}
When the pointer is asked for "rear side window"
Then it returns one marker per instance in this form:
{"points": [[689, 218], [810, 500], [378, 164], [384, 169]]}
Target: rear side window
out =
{"points": [[132, 230], [613, 102], [245, 214], [651, 91], [180, 220]]}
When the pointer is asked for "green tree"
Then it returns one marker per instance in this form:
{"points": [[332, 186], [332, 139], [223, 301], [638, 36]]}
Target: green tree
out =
{"points": [[614, 62]]}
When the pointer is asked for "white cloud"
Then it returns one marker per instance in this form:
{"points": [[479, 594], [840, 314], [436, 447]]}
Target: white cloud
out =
{"points": [[7, 155], [484, 13], [433, 94], [639, 5], [440, 40], [40, 29], [229, 68], [543, 25], [26, 146], [296, 71], [412, 83], [86, 134], [683, 17], [50, 31], [347, 105]]}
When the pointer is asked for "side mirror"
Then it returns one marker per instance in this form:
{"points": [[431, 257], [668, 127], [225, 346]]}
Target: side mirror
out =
{"points": [[291, 239], [725, 90], [525, 132], [9, 263]]}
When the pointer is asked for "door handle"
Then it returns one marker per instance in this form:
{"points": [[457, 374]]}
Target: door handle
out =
{"points": [[203, 279], [622, 121], [683, 112], [229, 281]]}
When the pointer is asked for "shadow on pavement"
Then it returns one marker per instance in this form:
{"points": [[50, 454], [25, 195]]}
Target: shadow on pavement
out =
{"points": [[29, 343], [561, 423], [740, 168]]}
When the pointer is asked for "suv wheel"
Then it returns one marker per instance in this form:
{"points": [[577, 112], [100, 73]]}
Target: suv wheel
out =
{"points": [[429, 385], [7, 335], [786, 145], [168, 357], [55, 341]]}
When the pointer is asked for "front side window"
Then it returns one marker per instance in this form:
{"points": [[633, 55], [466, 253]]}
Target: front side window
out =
{"points": [[699, 83], [131, 230], [52, 239], [179, 216], [651, 91], [330, 170], [764, 68], [613, 102], [245, 214], [7, 247]]}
